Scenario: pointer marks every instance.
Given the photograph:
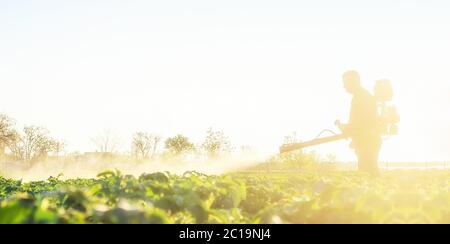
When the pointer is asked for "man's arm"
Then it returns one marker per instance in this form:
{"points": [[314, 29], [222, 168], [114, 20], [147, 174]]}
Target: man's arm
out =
{"points": [[347, 128]]}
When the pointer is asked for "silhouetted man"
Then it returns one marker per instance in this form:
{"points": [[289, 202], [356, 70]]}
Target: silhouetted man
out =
{"points": [[362, 126]]}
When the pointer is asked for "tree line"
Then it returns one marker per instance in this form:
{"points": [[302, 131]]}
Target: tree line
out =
{"points": [[34, 143]]}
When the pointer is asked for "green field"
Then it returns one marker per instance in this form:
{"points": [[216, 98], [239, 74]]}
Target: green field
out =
{"points": [[401, 196]]}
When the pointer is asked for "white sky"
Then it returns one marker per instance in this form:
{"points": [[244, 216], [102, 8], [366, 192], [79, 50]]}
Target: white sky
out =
{"points": [[257, 70]]}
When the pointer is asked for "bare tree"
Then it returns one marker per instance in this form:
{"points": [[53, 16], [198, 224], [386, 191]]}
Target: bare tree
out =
{"points": [[16, 147], [246, 149], [291, 138], [106, 142], [7, 132], [32, 145], [216, 144], [144, 145], [58, 147]]}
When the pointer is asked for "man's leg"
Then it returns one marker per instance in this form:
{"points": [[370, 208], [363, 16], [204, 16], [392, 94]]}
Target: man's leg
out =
{"points": [[375, 152], [362, 160], [368, 160], [373, 163]]}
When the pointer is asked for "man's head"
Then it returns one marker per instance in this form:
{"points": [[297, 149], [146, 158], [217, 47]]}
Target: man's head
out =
{"points": [[351, 81]]}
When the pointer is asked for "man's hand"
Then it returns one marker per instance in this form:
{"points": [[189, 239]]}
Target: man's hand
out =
{"points": [[344, 129], [340, 125]]}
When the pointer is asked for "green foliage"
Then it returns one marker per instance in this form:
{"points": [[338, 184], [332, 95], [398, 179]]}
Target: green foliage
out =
{"points": [[178, 145], [315, 197], [296, 160]]}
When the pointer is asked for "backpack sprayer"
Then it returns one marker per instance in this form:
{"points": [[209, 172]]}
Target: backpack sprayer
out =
{"points": [[387, 115]]}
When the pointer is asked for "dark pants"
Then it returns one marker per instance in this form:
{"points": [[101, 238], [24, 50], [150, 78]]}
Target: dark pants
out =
{"points": [[367, 151]]}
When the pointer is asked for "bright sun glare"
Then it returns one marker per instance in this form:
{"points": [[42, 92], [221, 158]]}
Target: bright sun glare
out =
{"points": [[224, 112], [256, 71]]}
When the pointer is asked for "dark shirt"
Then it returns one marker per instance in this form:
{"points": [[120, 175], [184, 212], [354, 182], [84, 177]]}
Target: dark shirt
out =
{"points": [[363, 122]]}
